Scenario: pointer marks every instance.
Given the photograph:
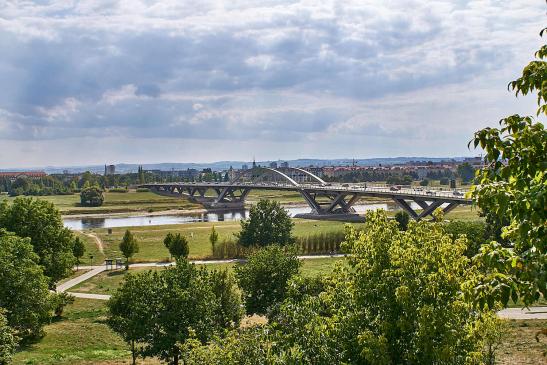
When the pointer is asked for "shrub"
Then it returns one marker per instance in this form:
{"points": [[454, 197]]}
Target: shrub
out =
{"points": [[142, 190], [91, 197], [118, 190]]}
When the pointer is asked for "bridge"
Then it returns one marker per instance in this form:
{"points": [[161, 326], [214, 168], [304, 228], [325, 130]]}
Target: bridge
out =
{"points": [[327, 201]]}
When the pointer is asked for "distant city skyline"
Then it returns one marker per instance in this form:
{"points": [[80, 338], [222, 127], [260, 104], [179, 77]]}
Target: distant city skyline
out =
{"points": [[97, 82]]}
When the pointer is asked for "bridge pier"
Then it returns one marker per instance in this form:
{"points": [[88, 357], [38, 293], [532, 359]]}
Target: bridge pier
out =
{"points": [[427, 207]]}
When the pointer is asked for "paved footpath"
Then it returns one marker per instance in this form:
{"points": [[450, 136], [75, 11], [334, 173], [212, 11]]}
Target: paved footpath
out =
{"points": [[508, 313]]}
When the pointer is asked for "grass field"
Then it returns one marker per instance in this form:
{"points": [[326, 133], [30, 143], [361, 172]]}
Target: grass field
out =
{"points": [[107, 282], [118, 203], [81, 337], [150, 238]]}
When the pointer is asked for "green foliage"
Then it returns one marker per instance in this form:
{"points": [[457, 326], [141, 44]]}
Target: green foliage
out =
{"points": [[213, 238], [466, 172], [128, 246], [41, 222], [130, 308], [118, 190], [402, 219], [24, 290], [475, 232], [317, 243], [268, 224], [178, 247], [91, 196], [78, 250], [263, 278], [403, 288], [142, 190], [228, 249], [8, 340], [60, 301], [424, 182], [229, 295], [512, 187], [157, 312]]}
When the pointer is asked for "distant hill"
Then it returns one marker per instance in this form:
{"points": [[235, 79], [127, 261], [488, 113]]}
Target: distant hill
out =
{"points": [[224, 165]]}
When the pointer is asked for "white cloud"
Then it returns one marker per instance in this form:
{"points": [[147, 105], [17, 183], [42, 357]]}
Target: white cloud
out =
{"points": [[345, 76]]}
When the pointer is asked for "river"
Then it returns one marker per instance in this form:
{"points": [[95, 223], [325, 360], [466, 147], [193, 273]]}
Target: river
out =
{"points": [[138, 221]]}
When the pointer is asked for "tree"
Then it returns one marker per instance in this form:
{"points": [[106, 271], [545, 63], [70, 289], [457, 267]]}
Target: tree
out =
{"points": [[424, 182], [402, 219], [8, 340], [398, 298], [229, 295], [466, 172], [41, 222], [130, 309], [167, 241], [129, 246], [268, 224], [78, 250], [512, 186], [213, 238], [24, 290], [264, 277], [178, 247], [91, 196]]}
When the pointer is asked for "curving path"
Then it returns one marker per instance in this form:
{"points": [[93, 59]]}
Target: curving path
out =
{"points": [[508, 313]]}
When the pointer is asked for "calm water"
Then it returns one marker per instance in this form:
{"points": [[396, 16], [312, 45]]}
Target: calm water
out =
{"points": [[87, 223]]}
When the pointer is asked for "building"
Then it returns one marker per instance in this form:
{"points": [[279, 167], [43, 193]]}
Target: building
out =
{"points": [[284, 164], [13, 175], [273, 165], [109, 170]]}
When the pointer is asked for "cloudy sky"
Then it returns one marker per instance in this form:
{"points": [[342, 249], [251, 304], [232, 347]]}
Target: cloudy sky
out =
{"points": [[177, 81]]}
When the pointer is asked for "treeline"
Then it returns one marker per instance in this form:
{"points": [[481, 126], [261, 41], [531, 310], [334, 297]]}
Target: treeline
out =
{"points": [[36, 251]]}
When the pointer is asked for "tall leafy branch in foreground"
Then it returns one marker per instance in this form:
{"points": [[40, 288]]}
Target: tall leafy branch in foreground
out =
{"points": [[513, 189]]}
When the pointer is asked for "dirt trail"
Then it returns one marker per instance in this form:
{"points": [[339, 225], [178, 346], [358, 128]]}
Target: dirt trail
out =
{"points": [[98, 241]]}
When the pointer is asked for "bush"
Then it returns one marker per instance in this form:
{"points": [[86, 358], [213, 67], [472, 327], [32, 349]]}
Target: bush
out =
{"points": [[91, 197], [424, 182], [142, 190], [268, 224], [402, 219], [118, 190], [444, 181], [229, 249], [320, 243]]}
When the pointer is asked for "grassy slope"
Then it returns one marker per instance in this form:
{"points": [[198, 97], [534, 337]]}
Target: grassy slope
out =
{"points": [[108, 282]]}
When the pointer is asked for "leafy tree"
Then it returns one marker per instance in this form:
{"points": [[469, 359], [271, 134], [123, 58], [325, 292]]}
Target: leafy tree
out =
{"points": [[129, 246], [213, 238], [41, 222], [167, 241], [187, 308], [424, 182], [8, 340], [264, 277], [91, 196], [229, 295], [24, 290], [398, 299], [178, 248], [130, 309], [512, 187], [268, 224], [60, 301], [402, 219], [78, 250], [466, 172]]}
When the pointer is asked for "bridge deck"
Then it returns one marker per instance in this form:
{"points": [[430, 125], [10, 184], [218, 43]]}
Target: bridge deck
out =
{"points": [[409, 193]]}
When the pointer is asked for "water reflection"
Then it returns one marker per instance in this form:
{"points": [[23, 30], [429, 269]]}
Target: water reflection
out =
{"points": [[233, 215]]}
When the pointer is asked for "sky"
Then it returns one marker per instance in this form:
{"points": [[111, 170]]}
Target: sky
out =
{"points": [[104, 81]]}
